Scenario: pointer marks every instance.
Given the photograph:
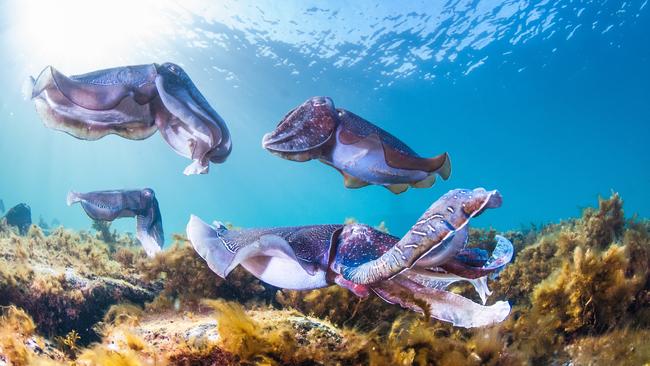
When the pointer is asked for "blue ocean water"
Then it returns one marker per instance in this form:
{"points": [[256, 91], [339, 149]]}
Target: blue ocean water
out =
{"points": [[548, 101]]}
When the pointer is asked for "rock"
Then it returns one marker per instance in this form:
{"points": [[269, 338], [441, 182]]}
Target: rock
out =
{"points": [[20, 216]]}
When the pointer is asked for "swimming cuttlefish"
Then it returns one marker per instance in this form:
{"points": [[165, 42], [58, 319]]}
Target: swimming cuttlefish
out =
{"points": [[362, 152], [133, 102], [141, 204], [410, 271]]}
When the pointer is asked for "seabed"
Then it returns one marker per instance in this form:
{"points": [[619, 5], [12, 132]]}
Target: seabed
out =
{"points": [[580, 291]]}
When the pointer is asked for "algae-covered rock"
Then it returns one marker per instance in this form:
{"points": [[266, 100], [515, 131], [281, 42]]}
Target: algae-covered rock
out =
{"points": [[19, 216], [66, 281]]}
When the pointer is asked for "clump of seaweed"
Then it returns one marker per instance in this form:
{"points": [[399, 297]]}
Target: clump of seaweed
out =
{"points": [[123, 314], [103, 229], [341, 307], [586, 277]]}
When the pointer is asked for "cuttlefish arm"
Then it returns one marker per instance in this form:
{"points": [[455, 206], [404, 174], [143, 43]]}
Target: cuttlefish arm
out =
{"points": [[290, 258], [141, 204], [465, 263], [471, 265], [431, 238], [188, 123], [440, 304], [132, 102]]}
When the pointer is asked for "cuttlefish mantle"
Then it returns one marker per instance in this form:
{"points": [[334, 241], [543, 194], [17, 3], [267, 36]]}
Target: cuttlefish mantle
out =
{"points": [[133, 102], [362, 152]]}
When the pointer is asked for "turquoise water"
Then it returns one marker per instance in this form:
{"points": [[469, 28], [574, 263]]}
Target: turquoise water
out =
{"points": [[546, 101]]}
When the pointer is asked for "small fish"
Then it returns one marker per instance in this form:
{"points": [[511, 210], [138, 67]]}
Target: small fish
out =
{"points": [[362, 152], [2, 206]]}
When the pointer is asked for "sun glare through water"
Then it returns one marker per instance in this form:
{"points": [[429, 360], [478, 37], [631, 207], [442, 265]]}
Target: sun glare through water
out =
{"points": [[78, 35]]}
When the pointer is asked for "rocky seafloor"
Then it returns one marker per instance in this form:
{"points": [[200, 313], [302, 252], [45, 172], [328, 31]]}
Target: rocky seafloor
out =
{"points": [[580, 292]]}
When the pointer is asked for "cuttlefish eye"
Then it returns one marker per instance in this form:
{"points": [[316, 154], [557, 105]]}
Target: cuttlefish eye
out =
{"points": [[147, 192], [173, 68], [320, 101]]}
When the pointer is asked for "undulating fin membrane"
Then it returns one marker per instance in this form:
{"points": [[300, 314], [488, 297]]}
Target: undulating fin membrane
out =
{"points": [[350, 181], [397, 188]]}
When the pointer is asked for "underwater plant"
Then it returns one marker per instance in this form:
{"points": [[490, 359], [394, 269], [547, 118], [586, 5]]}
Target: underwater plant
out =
{"points": [[580, 291]]}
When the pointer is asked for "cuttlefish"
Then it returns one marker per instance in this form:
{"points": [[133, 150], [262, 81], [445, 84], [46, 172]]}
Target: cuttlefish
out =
{"points": [[133, 102], [362, 152], [141, 204], [413, 271]]}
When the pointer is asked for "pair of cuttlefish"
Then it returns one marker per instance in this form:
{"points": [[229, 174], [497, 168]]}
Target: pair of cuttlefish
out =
{"points": [[135, 101], [413, 271]]}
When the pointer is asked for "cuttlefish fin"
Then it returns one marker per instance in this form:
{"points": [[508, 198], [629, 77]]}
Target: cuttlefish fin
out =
{"points": [[397, 188], [348, 180], [440, 164], [353, 182], [426, 182]]}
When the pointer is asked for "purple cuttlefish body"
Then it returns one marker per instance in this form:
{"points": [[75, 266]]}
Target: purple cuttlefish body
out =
{"points": [[141, 204], [364, 153], [133, 102], [410, 271]]}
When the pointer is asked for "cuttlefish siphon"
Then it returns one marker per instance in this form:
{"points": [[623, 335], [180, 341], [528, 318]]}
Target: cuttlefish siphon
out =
{"points": [[133, 102], [362, 152], [413, 271], [141, 204]]}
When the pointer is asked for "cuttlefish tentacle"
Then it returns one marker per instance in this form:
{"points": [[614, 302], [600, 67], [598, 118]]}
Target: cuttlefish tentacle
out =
{"points": [[141, 204], [430, 239], [463, 266], [442, 305], [471, 265], [133, 102], [364, 153]]}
